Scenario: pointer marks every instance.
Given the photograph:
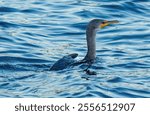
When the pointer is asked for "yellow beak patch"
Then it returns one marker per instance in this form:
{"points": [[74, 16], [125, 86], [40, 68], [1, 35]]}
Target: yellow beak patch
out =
{"points": [[106, 23]]}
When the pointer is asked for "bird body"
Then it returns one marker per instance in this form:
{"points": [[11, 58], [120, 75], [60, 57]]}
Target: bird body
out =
{"points": [[91, 30], [64, 62]]}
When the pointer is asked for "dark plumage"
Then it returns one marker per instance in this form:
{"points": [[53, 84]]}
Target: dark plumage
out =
{"points": [[91, 30]]}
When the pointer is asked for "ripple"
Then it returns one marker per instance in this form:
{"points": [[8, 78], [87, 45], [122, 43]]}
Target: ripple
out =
{"points": [[8, 10], [132, 65], [116, 79], [37, 10], [19, 59], [8, 25], [131, 92]]}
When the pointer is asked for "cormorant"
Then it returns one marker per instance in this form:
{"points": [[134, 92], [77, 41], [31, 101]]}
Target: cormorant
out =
{"points": [[91, 30]]}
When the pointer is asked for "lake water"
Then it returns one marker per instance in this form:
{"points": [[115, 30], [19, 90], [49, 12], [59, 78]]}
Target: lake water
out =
{"points": [[34, 34]]}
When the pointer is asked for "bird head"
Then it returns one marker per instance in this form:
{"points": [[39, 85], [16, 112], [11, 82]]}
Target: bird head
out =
{"points": [[98, 23]]}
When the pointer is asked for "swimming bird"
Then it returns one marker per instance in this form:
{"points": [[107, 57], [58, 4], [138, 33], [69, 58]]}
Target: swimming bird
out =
{"points": [[69, 60]]}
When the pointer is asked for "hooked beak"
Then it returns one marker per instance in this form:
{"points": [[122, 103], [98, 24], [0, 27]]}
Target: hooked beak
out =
{"points": [[107, 23]]}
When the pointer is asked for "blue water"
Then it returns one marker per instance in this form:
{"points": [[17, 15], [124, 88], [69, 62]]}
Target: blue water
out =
{"points": [[35, 33]]}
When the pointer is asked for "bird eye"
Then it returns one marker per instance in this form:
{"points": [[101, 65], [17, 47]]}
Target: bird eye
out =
{"points": [[103, 22]]}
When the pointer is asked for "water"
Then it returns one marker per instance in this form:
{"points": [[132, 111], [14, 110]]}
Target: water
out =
{"points": [[34, 34]]}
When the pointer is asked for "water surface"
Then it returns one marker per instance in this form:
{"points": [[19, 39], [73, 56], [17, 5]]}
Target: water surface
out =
{"points": [[34, 34]]}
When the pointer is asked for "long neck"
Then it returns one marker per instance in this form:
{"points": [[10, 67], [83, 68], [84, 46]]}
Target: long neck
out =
{"points": [[91, 44]]}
